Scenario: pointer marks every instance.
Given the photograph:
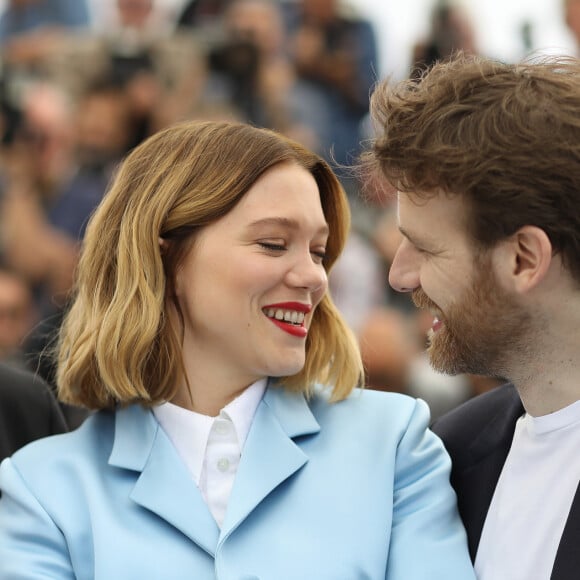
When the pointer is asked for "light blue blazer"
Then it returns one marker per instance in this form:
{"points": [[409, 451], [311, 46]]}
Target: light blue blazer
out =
{"points": [[347, 491]]}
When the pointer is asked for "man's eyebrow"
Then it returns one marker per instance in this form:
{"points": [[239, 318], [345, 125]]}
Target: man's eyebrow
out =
{"points": [[421, 243], [285, 222], [411, 237]]}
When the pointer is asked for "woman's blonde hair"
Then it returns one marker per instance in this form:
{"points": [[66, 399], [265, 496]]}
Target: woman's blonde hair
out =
{"points": [[117, 344]]}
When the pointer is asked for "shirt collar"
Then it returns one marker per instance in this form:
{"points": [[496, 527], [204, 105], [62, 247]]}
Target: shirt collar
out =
{"points": [[189, 431], [242, 409]]}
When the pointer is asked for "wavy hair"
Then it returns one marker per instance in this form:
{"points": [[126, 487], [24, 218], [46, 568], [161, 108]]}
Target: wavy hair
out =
{"points": [[117, 344], [505, 136]]}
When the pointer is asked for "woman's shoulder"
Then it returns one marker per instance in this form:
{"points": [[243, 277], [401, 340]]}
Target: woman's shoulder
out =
{"points": [[379, 409], [369, 398]]}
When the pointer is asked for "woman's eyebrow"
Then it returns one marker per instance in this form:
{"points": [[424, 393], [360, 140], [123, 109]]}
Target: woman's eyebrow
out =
{"points": [[288, 223]]}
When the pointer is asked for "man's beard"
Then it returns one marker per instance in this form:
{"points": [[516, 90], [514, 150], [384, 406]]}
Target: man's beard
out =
{"points": [[482, 332]]}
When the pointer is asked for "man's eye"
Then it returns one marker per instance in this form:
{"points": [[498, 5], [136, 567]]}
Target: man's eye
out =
{"points": [[420, 250]]}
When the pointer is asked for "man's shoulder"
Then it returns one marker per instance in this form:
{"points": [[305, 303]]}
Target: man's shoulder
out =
{"points": [[478, 409], [28, 410], [23, 394], [464, 424], [17, 383]]}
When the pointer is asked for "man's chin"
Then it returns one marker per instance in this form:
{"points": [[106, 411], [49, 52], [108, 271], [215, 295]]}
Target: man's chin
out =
{"points": [[445, 367], [443, 361]]}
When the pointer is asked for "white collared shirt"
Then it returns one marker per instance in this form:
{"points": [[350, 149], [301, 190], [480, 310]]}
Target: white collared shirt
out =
{"points": [[211, 447]]}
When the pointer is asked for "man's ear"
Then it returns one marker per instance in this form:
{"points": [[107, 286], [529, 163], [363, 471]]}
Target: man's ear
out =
{"points": [[530, 255]]}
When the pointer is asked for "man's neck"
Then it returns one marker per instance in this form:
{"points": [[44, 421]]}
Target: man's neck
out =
{"points": [[551, 383], [547, 372]]}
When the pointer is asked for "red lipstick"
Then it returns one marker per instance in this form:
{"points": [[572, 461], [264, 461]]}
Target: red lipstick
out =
{"points": [[298, 306], [298, 330]]}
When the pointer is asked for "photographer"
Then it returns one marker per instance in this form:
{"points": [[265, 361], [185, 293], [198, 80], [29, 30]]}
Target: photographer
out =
{"points": [[251, 70]]}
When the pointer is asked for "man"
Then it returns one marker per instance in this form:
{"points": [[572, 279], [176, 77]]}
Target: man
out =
{"points": [[28, 410], [486, 159]]}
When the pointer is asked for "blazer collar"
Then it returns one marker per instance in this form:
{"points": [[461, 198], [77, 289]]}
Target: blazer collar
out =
{"points": [[270, 451], [136, 428], [291, 411], [500, 427], [475, 476], [135, 432], [164, 486]]}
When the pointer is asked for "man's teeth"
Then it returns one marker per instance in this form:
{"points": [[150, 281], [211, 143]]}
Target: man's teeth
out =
{"points": [[291, 316]]}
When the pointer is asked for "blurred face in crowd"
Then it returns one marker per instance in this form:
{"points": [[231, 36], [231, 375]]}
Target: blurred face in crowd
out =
{"points": [[249, 286], [22, 3], [103, 128], [320, 10], [134, 13], [16, 313], [257, 21], [477, 325], [47, 134], [572, 17]]}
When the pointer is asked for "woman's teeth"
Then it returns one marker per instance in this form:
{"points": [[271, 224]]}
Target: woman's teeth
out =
{"points": [[291, 316]]}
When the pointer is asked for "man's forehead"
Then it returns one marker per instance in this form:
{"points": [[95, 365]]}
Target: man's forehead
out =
{"points": [[431, 215], [442, 202]]}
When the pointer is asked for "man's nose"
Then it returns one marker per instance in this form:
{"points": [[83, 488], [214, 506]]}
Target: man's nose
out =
{"points": [[404, 271]]}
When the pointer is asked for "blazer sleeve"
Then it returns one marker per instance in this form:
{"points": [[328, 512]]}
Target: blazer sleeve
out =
{"points": [[31, 545], [428, 541]]}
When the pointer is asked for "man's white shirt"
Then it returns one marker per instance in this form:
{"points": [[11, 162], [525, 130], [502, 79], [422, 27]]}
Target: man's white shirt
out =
{"points": [[532, 498]]}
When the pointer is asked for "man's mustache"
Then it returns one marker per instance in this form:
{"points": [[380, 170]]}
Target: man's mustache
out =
{"points": [[421, 300]]}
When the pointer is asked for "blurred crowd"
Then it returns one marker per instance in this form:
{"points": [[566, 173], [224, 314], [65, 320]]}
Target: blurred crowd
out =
{"points": [[75, 98]]}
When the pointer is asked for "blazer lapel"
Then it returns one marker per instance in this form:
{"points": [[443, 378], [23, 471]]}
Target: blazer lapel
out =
{"points": [[567, 563], [270, 455], [476, 482], [164, 485]]}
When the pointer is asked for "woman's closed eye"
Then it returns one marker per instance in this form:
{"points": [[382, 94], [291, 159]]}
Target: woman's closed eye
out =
{"points": [[273, 246], [319, 254]]}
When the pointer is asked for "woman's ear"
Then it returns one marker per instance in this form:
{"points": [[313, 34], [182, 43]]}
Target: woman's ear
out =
{"points": [[530, 253]]}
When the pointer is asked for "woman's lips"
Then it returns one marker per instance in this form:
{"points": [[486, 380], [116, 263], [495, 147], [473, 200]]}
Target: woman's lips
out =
{"points": [[289, 317], [293, 329]]}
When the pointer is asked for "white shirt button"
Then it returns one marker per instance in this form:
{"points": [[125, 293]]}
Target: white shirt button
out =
{"points": [[223, 464]]}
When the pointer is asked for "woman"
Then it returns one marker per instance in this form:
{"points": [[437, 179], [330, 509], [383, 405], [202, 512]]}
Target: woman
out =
{"points": [[201, 332]]}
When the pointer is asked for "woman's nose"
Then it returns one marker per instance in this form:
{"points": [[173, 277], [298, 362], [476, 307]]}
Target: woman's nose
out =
{"points": [[307, 273]]}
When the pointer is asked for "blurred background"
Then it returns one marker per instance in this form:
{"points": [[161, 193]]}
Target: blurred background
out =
{"points": [[505, 29], [82, 82]]}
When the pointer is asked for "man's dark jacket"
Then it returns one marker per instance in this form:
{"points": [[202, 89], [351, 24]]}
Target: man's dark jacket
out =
{"points": [[28, 410], [478, 436]]}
